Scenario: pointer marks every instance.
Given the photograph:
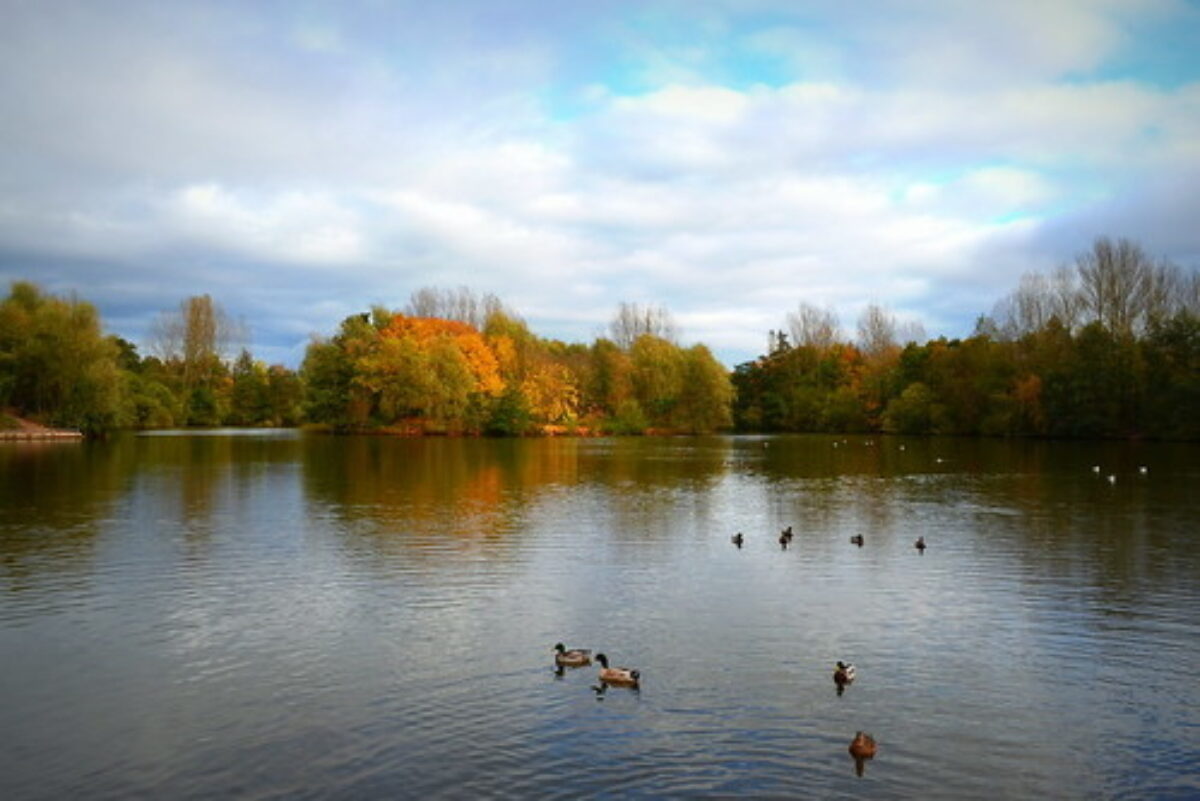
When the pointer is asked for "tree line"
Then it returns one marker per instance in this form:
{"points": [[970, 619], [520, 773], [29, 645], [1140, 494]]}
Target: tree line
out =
{"points": [[451, 362], [58, 367], [1108, 346]]}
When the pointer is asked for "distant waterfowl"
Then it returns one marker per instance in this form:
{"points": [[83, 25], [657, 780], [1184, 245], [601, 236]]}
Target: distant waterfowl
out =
{"points": [[1143, 470], [786, 534], [863, 746], [920, 544], [843, 675], [576, 657], [857, 539], [784, 539], [620, 676], [737, 539], [1095, 468], [1112, 478]]}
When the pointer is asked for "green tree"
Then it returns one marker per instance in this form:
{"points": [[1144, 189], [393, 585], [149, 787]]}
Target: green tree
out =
{"points": [[658, 371], [249, 404], [56, 365], [706, 394]]}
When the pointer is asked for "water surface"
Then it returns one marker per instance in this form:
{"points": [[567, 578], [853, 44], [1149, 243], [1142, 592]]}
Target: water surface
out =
{"points": [[281, 616]]}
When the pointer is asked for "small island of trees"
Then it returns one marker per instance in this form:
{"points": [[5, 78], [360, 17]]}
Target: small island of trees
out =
{"points": [[1106, 347]]}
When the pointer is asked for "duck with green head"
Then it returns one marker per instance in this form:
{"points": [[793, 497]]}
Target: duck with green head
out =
{"points": [[576, 657]]}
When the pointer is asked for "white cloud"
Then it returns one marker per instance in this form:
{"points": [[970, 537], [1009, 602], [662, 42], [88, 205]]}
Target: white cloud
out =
{"points": [[296, 227], [919, 154]]}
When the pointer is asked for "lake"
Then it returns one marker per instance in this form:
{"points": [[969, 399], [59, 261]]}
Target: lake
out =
{"points": [[273, 615]]}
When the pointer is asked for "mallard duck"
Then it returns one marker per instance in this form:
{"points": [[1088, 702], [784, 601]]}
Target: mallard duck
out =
{"points": [[737, 539], [857, 539], [625, 677], [844, 674], [576, 657], [920, 544], [863, 746]]}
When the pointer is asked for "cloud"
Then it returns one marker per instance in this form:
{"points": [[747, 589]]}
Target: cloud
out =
{"points": [[291, 227], [727, 160]]}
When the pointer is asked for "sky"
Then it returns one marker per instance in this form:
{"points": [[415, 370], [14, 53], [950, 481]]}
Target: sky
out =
{"points": [[727, 159]]}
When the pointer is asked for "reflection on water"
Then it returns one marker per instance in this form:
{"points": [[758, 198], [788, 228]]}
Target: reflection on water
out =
{"points": [[271, 614]]}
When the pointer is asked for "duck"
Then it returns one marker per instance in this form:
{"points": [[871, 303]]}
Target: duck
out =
{"points": [[863, 746], [920, 544], [737, 539], [576, 657], [857, 539], [784, 539], [844, 674], [621, 676], [787, 532]]}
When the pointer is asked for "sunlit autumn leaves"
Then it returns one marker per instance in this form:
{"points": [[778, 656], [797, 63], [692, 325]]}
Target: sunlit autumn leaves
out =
{"points": [[426, 367], [400, 371]]}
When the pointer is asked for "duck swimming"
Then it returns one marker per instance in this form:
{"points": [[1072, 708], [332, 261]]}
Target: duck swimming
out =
{"points": [[920, 544], [857, 539], [844, 674], [863, 746], [576, 657], [737, 539], [620, 676]]}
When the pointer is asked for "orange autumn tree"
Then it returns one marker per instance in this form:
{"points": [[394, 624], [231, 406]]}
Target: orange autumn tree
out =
{"points": [[440, 371], [540, 386]]}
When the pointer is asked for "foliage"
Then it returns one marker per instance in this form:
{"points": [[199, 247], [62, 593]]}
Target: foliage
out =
{"points": [[1110, 348], [56, 366]]}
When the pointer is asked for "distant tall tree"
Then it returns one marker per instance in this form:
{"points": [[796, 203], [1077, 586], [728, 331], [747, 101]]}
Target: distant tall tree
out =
{"points": [[1115, 282], [462, 305], [195, 337], [813, 327], [876, 331], [633, 321]]}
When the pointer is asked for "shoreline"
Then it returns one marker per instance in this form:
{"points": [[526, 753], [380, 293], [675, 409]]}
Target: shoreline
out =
{"points": [[39, 436], [25, 431]]}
